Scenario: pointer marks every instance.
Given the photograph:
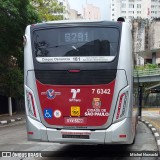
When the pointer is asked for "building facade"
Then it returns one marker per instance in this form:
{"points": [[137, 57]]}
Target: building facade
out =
{"points": [[91, 12], [66, 10], [74, 15], [146, 41], [130, 9]]}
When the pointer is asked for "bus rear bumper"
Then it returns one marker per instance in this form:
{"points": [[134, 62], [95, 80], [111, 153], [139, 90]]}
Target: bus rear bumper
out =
{"points": [[117, 133]]}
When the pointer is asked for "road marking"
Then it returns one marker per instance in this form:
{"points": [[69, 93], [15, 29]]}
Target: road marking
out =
{"points": [[156, 134], [153, 129], [3, 122], [19, 118], [158, 142], [154, 124]]}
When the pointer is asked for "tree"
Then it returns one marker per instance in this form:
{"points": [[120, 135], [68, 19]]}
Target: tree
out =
{"points": [[15, 15], [48, 10]]}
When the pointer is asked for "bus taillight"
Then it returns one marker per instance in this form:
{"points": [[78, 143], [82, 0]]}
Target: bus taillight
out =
{"points": [[31, 133], [31, 104], [121, 106], [122, 136]]}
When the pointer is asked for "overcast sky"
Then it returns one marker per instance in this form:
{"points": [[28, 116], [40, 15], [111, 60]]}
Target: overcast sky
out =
{"points": [[104, 6]]}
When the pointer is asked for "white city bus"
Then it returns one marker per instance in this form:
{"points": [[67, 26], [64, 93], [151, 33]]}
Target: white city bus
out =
{"points": [[78, 78]]}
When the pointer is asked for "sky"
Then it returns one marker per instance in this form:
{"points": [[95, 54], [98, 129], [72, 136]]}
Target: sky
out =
{"points": [[104, 6]]}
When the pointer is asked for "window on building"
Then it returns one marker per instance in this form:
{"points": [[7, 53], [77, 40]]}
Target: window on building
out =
{"points": [[131, 0], [123, 5], [131, 12], [131, 5], [138, 12], [61, 3], [123, 12], [130, 17], [138, 5]]}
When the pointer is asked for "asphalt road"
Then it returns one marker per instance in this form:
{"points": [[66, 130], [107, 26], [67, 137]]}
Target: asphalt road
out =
{"points": [[152, 116], [14, 138]]}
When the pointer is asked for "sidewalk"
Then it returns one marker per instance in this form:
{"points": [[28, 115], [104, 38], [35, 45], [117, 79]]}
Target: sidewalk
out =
{"points": [[6, 119]]}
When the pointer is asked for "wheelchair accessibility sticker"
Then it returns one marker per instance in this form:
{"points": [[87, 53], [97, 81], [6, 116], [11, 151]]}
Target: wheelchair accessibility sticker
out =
{"points": [[48, 113]]}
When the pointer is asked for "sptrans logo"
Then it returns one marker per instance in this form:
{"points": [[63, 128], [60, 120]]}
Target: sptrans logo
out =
{"points": [[74, 95], [75, 91], [51, 94]]}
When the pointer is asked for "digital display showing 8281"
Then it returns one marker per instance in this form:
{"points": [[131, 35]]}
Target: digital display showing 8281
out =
{"points": [[76, 37]]}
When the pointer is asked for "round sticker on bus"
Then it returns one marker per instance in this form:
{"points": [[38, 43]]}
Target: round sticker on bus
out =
{"points": [[57, 113]]}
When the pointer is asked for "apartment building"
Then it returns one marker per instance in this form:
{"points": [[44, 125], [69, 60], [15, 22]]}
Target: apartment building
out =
{"points": [[130, 9], [74, 15], [66, 11], [146, 42], [91, 12]]}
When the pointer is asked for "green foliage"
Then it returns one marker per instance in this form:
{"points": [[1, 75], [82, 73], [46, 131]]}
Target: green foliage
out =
{"points": [[48, 10], [15, 15], [151, 66], [147, 66], [12, 82]]}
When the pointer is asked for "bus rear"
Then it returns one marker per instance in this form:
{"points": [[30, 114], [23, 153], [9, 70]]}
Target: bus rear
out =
{"points": [[78, 82]]}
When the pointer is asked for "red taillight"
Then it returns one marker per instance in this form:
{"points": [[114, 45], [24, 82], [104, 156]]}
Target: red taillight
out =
{"points": [[74, 70], [122, 136], [30, 133], [120, 105]]}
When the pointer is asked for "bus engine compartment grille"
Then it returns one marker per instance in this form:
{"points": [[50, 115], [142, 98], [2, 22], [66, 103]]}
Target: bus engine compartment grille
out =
{"points": [[84, 77]]}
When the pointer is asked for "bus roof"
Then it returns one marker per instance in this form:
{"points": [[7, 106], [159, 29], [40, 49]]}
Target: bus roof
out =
{"points": [[77, 22]]}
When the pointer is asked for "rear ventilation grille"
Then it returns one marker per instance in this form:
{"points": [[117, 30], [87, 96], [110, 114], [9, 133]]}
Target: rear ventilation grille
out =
{"points": [[84, 77]]}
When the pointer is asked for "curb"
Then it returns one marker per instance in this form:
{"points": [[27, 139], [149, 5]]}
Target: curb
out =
{"points": [[10, 121], [153, 130]]}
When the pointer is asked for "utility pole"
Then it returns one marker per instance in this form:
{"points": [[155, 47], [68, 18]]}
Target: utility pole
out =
{"points": [[140, 99], [10, 105]]}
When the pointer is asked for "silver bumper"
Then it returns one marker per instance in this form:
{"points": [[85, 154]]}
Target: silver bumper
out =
{"points": [[112, 135]]}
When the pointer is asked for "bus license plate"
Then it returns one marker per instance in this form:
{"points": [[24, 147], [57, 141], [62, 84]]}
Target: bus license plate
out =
{"points": [[75, 120], [76, 136]]}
